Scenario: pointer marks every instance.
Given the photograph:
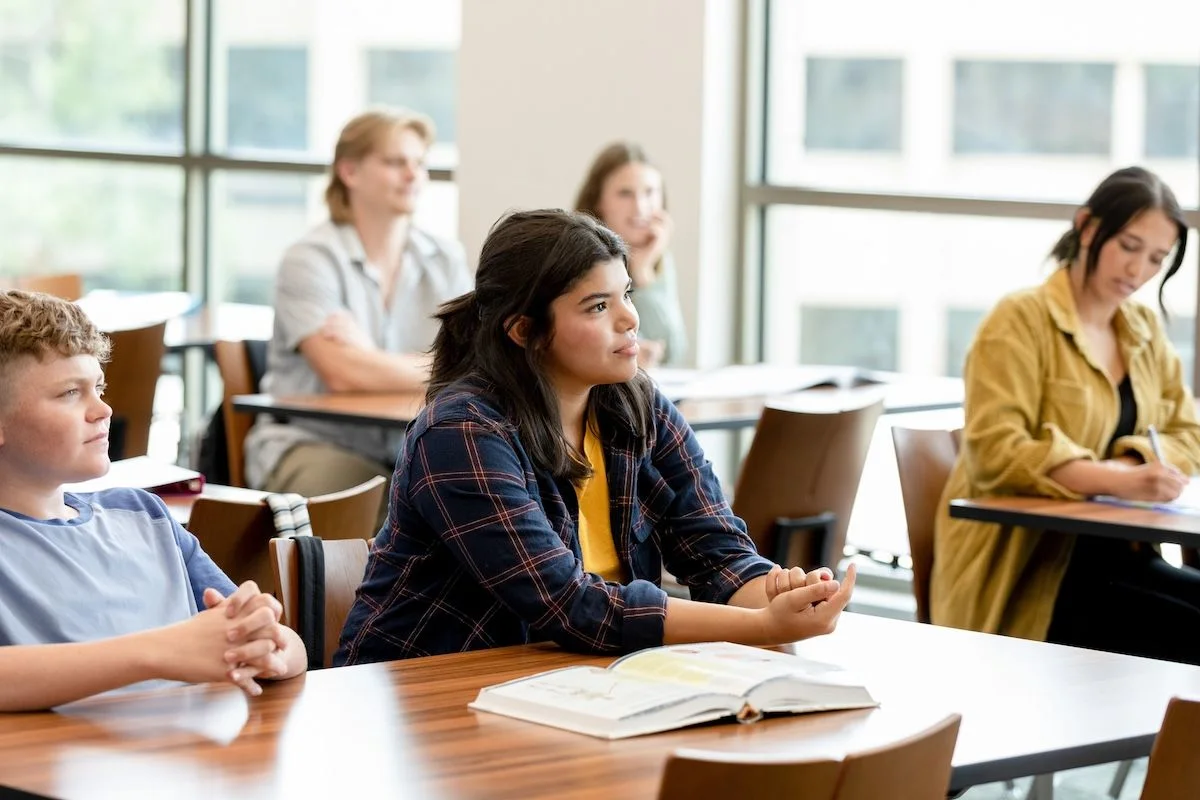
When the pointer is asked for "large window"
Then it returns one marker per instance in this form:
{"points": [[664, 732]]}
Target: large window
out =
{"points": [[912, 174], [92, 73], [103, 175]]}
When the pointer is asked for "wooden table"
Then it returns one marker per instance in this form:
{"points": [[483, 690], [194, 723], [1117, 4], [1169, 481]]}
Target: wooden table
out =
{"points": [[397, 410], [403, 730], [1082, 517]]}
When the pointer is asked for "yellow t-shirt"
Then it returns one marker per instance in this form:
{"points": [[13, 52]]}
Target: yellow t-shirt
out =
{"points": [[595, 528]]}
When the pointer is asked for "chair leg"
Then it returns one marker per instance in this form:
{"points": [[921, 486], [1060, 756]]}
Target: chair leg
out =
{"points": [[1042, 787], [1118, 781]]}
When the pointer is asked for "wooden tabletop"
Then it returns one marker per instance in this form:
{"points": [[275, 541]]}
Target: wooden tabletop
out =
{"points": [[1083, 517], [389, 410], [403, 729], [397, 410]]}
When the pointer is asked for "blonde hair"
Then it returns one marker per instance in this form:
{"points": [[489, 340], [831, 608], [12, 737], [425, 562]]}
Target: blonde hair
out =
{"points": [[362, 136], [36, 324]]}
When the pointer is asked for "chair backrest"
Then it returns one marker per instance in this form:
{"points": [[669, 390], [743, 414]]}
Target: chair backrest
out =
{"points": [[345, 562], [349, 514], [132, 378], [235, 535], [68, 286], [1174, 769], [238, 376], [806, 458], [924, 459], [917, 768]]}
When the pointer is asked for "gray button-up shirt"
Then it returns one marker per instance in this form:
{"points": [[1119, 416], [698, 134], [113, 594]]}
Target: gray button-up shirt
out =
{"points": [[327, 271]]}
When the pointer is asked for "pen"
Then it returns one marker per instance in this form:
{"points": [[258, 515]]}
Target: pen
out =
{"points": [[1155, 445]]}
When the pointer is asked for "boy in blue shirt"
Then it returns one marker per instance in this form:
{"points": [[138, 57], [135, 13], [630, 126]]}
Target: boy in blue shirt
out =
{"points": [[101, 590]]}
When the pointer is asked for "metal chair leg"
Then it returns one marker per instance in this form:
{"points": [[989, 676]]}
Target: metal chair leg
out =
{"points": [[1118, 781], [1042, 787]]}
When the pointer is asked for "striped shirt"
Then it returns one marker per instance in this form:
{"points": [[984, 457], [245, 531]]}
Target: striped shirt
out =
{"points": [[481, 548]]}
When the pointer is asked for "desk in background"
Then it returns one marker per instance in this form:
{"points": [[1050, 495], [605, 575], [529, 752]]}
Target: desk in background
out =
{"points": [[403, 729], [191, 323], [1082, 517], [903, 395]]}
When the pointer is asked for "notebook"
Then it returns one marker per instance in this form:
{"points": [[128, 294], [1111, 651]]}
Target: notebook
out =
{"points": [[144, 472], [1187, 503]]}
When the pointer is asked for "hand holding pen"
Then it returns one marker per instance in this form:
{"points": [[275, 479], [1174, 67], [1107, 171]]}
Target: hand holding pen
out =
{"points": [[1155, 444], [1156, 481]]}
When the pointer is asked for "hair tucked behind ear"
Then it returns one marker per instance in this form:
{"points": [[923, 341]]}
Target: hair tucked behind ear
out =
{"points": [[1118, 199], [529, 259]]}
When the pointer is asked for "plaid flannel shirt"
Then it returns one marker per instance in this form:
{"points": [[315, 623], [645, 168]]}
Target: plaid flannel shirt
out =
{"points": [[480, 548]]}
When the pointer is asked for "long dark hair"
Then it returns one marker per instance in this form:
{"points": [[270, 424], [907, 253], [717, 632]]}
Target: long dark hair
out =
{"points": [[1116, 201], [529, 259]]}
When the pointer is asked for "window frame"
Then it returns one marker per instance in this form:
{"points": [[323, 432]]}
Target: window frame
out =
{"points": [[759, 194]]}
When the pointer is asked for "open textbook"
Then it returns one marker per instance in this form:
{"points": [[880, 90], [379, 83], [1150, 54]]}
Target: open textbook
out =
{"points": [[674, 686], [1187, 503], [755, 380]]}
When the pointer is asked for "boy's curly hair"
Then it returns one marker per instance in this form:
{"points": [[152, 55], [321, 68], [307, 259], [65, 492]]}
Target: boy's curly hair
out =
{"points": [[36, 324]]}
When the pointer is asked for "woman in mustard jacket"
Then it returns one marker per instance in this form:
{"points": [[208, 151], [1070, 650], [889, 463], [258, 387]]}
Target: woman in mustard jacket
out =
{"points": [[1063, 382]]}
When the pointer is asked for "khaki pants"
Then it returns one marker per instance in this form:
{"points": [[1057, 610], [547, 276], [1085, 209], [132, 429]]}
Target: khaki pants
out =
{"points": [[317, 468]]}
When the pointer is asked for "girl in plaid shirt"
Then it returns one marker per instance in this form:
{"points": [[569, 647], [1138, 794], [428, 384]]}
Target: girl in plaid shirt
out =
{"points": [[547, 482]]}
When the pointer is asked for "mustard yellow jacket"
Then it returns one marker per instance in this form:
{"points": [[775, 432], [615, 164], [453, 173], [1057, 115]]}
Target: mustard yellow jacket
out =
{"points": [[1035, 399]]}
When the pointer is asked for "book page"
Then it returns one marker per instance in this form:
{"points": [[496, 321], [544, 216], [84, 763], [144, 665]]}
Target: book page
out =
{"points": [[592, 691], [718, 667]]}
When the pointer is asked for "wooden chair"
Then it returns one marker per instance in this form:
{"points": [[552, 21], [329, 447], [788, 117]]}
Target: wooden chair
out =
{"points": [[916, 768], [924, 459], [132, 377], [801, 475], [235, 534], [1174, 770], [345, 562], [235, 361], [68, 286]]}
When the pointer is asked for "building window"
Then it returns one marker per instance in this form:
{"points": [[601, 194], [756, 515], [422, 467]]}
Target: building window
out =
{"points": [[853, 104], [1032, 108], [857, 337], [1172, 111], [961, 324], [420, 80], [267, 103]]}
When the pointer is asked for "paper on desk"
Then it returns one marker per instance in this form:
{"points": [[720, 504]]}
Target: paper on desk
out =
{"points": [[1187, 503], [751, 380]]}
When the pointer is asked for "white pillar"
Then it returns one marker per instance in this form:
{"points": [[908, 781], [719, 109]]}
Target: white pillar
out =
{"points": [[543, 86]]}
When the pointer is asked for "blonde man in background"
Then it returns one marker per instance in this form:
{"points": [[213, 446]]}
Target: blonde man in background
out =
{"points": [[354, 300]]}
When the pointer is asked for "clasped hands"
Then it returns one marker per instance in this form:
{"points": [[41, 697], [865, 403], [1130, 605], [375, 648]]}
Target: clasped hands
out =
{"points": [[236, 639]]}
